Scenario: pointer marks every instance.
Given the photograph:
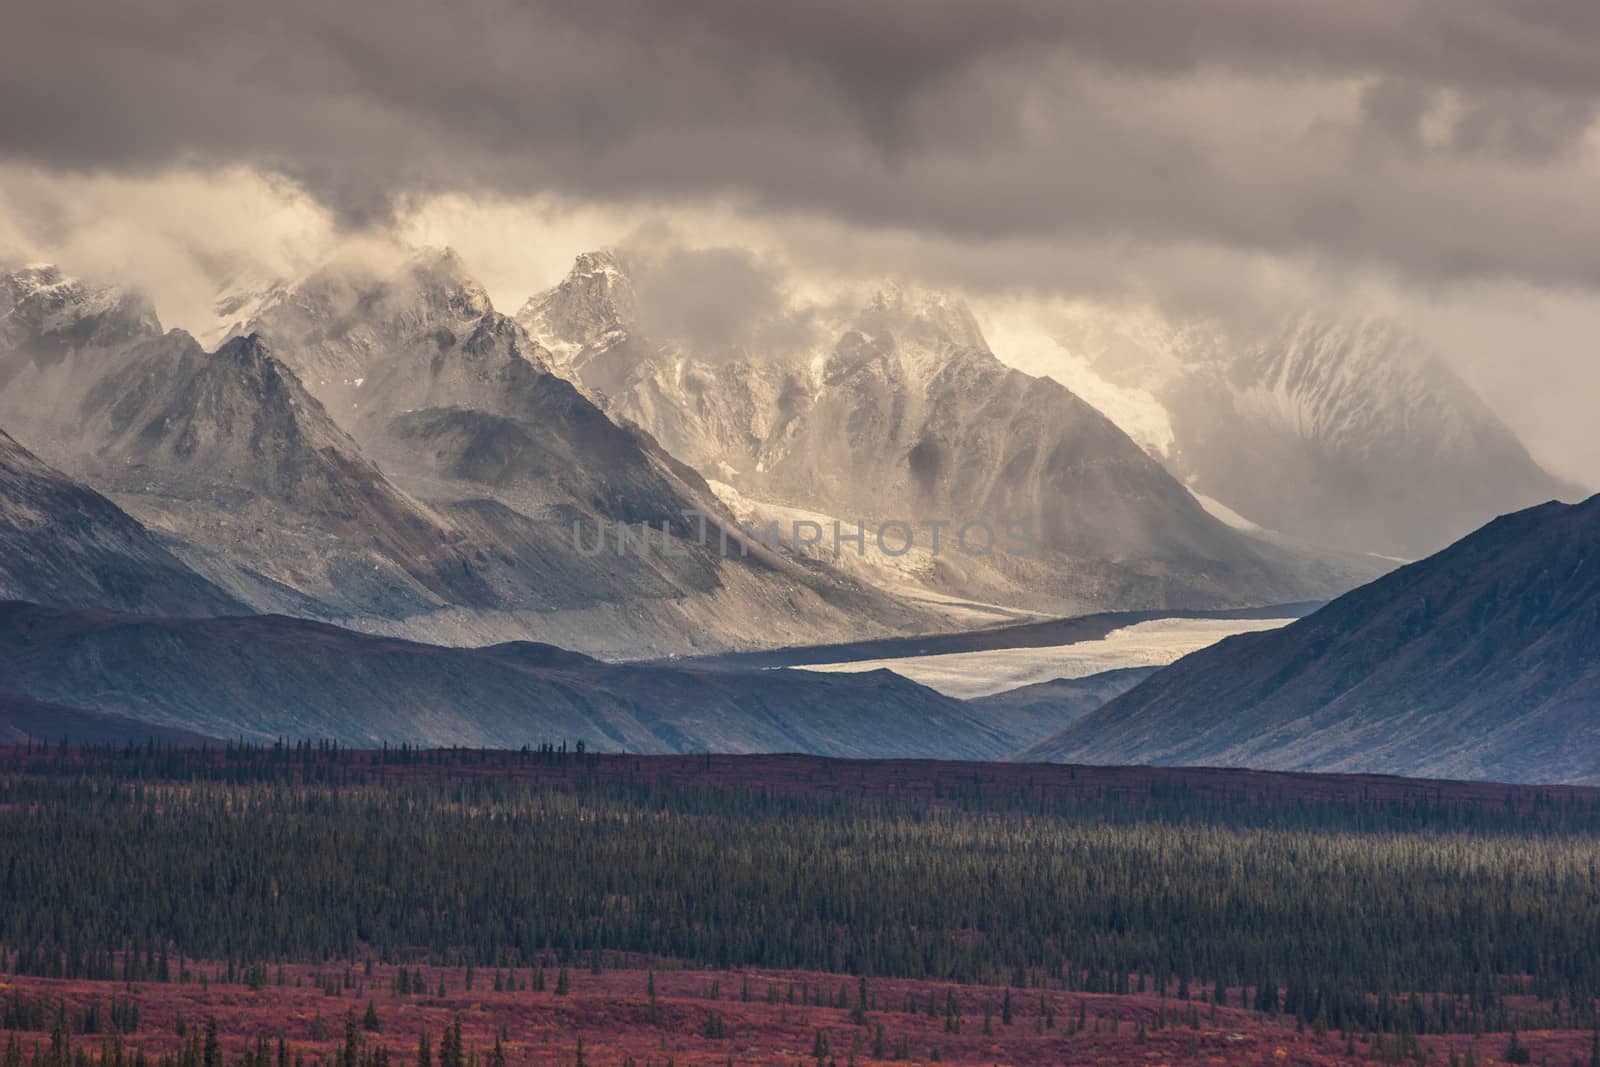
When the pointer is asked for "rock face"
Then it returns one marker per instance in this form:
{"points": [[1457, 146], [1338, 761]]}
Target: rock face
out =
{"points": [[1482, 661], [1343, 432], [896, 409], [590, 312], [61, 543], [269, 677], [231, 453]]}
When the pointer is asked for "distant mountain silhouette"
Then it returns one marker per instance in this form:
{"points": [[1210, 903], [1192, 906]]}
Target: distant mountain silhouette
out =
{"points": [[264, 677], [1482, 661]]}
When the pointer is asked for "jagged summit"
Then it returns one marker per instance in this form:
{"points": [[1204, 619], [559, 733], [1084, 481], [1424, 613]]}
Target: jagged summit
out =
{"points": [[20, 283], [47, 316], [441, 280], [931, 316], [499, 333], [594, 309], [254, 364], [489, 366], [276, 501], [331, 326], [237, 415], [594, 306]]}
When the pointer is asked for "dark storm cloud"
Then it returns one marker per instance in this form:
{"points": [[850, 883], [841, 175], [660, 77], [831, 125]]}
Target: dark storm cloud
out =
{"points": [[1437, 137]]}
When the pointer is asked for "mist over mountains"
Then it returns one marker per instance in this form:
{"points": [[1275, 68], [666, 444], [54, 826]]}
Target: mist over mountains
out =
{"points": [[1346, 431], [891, 406], [1336, 430]]}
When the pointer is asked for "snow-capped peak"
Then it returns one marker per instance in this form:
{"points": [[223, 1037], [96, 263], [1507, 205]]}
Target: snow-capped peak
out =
{"points": [[593, 306], [49, 312]]}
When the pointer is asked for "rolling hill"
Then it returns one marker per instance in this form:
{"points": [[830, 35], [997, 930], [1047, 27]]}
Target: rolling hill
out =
{"points": [[1482, 661], [264, 677]]}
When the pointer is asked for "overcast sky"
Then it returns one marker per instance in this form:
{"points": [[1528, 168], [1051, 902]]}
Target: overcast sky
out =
{"points": [[1437, 157]]}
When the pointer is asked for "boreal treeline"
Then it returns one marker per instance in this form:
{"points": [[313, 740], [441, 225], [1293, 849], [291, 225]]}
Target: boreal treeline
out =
{"points": [[1178, 796], [125, 879]]}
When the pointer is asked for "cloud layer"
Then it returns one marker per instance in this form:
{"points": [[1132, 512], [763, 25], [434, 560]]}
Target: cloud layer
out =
{"points": [[1444, 138]]}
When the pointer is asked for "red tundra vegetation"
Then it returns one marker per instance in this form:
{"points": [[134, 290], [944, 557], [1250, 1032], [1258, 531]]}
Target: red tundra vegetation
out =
{"points": [[630, 1012]]}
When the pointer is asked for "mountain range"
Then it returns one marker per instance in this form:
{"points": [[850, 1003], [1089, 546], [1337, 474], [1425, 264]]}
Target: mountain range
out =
{"points": [[48, 318], [372, 507], [495, 473], [382, 449], [1481, 662]]}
